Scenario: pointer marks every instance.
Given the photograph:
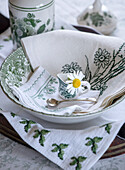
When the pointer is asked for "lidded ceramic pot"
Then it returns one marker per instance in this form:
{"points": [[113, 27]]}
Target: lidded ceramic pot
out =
{"points": [[30, 17], [99, 17]]}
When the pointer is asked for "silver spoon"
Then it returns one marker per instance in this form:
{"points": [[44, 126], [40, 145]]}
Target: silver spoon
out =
{"points": [[53, 102]]}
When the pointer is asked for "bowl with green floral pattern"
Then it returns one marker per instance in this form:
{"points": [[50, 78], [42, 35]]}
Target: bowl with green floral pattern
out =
{"points": [[100, 58]]}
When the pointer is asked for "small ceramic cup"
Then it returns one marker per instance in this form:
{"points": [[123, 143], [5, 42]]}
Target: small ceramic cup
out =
{"points": [[63, 92], [30, 17]]}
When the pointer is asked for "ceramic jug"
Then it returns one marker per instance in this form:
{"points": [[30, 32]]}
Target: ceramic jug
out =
{"points": [[30, 17]]}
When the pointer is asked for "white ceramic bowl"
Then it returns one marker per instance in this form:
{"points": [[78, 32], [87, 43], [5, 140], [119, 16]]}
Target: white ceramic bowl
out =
{"points": [[16, 69]]}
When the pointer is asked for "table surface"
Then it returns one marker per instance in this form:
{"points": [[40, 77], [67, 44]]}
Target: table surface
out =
{"points": [[72, 9]]}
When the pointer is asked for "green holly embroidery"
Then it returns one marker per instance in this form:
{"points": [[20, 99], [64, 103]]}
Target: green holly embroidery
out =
{"points": [[28, 124], [7, 39], [93, 143], [1, 46], [41, 134], [13, 114], [76, 161], [62, 28], [59, 149], [108, 128]]}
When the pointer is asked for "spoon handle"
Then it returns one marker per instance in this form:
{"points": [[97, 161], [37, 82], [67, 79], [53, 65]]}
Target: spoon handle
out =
{"points": [[90, 99]]}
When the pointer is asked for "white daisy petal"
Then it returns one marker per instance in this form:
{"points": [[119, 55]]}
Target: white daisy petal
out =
{"points": [[78, 74], [80, 90], [69, 86], [69, 81], [81, 75], [70, 76], [75, 74], [72, 91]]}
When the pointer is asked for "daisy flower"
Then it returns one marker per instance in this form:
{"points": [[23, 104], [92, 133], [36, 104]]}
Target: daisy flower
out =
{"points": [[75, 82]]}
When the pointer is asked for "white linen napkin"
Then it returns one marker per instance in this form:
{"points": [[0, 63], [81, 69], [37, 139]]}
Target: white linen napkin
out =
{"points": [[43, 86], [101, 58]]}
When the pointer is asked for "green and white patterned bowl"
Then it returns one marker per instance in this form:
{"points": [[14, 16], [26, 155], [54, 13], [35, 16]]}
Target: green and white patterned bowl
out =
{"points": [[16, 70]]}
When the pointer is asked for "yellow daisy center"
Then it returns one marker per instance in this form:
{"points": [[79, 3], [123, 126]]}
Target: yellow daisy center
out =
{"points": [[76, 83]]}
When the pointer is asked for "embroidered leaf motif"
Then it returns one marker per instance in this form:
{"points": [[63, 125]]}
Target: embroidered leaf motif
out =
{"points": [[63, 146], [59, 149], [62, 28], [76, 161], [81, 158], [60, 154], [94, 148], [108, 128], [55, 149], [97, 139], [7, 39], [1, 46], [93, 143], [89, 143], [13, 114], [41, 134], [28, 124]]}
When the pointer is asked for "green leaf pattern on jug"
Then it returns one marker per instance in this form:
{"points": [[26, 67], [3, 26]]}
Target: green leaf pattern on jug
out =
{"points": [[26, 26]]}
